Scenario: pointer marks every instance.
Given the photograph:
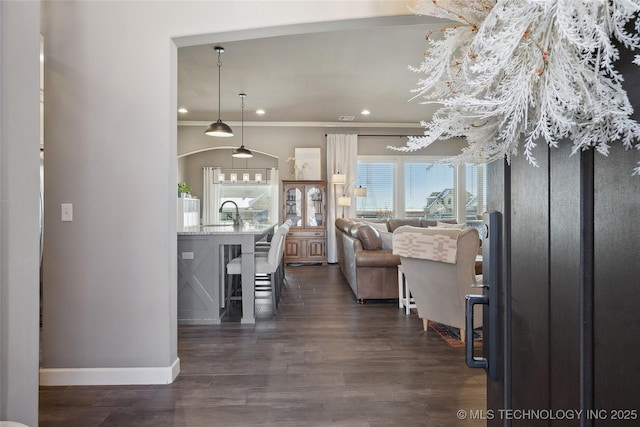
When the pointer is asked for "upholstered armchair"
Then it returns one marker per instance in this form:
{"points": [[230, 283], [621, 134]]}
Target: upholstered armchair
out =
{"points": [[439, 266]]}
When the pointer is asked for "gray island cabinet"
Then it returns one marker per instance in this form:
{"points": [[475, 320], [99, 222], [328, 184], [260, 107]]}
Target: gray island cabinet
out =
{"points": [[202, 255]]}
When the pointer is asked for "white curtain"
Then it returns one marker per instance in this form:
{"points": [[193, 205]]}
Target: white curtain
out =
{"points": [[210, 195], [342, 156]]}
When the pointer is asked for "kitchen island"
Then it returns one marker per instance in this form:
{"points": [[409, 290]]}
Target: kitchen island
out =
{"points": [[203, 252]]}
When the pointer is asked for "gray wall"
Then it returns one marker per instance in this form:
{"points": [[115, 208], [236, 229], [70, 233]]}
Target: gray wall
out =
{"points": [[19, 188], [280, 143]]}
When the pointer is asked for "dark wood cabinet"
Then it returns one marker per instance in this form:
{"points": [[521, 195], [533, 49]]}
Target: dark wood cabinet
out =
{"points": [[305, 206]]}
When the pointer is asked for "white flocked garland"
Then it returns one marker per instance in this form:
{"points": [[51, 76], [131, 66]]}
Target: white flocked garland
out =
{"points": [[512, 72]]}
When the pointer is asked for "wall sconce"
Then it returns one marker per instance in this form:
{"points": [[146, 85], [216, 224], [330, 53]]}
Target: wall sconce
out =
{"points": [[259, 178], [245, 177], [221, 177], [233, 177]]}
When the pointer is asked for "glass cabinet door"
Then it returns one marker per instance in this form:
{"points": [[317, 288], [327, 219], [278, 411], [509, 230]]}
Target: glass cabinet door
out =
{"points": [[315, 207], [293, 206]]}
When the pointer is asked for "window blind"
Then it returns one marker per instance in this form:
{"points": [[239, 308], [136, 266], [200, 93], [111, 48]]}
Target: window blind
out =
{"points": [[379, 178]]}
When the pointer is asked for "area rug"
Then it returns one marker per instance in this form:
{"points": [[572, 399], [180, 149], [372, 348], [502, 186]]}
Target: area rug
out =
{"points": [[452, 335]]}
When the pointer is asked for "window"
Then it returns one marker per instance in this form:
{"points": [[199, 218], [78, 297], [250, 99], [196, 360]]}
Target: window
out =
{"points": [[429, 190], [379, 178], [476, 182], [420, 187]]}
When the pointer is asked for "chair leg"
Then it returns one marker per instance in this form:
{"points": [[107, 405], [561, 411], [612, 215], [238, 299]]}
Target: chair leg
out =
{"points": [[227, 296], [400, 287], [274, 293], [425, 324], [462, 335]]}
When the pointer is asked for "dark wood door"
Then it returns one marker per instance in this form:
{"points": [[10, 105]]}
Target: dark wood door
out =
{"points": [[570, 321]]}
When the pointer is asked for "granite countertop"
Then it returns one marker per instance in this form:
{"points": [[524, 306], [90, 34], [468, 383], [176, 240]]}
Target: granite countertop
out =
{"points": [[213, 229]]}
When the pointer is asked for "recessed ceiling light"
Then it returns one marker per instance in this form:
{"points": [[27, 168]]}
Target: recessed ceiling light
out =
{"points": [[260, 111], [182, 110], [365, 112]]}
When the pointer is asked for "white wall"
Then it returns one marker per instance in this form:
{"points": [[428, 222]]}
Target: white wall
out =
{"points": [[110, 130], [19, 221]]}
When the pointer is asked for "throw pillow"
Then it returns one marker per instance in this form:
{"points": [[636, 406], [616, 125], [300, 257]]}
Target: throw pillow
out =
{"points": [[370, 237], [380, 226], [387, 239], [447, 225]]}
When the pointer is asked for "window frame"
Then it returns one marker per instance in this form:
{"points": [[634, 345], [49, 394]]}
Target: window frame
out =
{"points": [[399, 203]]}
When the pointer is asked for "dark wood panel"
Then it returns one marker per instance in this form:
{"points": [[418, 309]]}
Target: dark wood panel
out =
{"points": [[530, 282], [617, 267], [616, 280], [499, 199], [564, 275]]}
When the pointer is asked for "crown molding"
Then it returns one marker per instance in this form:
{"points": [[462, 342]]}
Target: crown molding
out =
{"points": [[309, 124]]}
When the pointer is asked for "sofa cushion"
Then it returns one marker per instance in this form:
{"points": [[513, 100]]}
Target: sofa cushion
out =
{"points": [[381, 226], [399, 222], [370, 237], [428, 222]]}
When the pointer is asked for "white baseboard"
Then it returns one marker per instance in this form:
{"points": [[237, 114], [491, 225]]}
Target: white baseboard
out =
{"points": [[109, 376]]}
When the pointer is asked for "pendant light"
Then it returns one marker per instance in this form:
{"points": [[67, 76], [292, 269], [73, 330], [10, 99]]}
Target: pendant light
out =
{"points": [[242, 152], [219, 128]]}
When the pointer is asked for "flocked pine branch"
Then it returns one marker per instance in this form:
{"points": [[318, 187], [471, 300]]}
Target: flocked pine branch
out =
{"points": [[521, 72]]}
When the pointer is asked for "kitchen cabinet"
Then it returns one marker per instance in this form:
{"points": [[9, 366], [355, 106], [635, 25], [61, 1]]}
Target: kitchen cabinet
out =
{"points": [[305, 206]]}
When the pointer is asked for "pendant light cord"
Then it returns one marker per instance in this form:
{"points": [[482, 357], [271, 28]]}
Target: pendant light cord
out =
{"points": [[242, 95], [219, 93]]}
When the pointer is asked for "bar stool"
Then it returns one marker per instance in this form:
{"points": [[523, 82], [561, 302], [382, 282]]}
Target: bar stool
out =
{"points": [[266, 267], [280, 276], [262, 246]]}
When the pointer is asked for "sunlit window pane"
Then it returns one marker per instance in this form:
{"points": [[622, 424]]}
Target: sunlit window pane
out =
{"points": [[429, 190]]}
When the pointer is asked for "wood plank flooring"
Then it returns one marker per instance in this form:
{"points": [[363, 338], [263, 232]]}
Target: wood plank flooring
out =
{"points": [[323, 360]]}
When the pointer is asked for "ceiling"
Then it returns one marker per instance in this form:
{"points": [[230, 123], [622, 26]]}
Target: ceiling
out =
{"points": [[312, 77]]}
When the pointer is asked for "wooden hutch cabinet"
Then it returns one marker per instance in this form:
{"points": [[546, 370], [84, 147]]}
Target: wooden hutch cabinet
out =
{"points": [[305, 206]]}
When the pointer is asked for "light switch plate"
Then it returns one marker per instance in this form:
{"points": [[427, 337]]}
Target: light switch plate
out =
{"points": [[67, 211]]}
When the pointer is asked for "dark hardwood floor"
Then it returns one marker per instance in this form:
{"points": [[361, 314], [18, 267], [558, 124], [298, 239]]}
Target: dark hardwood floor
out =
{"points": [[323, 360]]}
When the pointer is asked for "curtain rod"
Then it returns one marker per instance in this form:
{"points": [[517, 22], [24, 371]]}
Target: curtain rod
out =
{"points": [[378, 136]]}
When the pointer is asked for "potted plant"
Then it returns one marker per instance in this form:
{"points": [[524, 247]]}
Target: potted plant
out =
{"points": [[183, 189]]}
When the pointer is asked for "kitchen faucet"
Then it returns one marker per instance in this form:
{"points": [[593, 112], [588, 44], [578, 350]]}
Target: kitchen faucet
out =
{"points": [[237, 222]]}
